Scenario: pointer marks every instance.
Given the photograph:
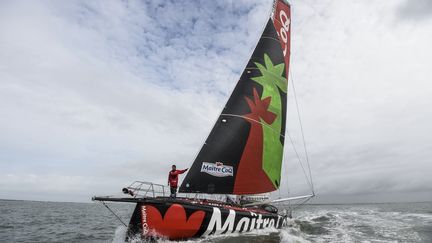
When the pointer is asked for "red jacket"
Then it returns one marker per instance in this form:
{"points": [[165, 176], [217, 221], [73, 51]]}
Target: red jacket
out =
{"points": [[173, 177]]}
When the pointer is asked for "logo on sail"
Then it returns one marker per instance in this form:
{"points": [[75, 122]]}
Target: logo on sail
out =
{"points": [[217, 169]]}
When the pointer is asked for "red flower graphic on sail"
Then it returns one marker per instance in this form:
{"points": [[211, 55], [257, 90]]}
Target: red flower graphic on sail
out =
{"points": [[174, 225], [251, 161]]}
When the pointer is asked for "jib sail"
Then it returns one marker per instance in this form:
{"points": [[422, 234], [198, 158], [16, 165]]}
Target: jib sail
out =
{"points": [[243, 153]]}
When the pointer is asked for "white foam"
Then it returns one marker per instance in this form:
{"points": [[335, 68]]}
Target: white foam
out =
{"points": [[427, 217], [288, 237], [120, 235]]}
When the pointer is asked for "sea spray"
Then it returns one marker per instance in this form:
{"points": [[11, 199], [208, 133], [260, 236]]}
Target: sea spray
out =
{"points": [[120, 235]]}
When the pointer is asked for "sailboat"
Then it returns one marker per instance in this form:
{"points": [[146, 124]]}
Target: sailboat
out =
{"points": [[241, 159]]}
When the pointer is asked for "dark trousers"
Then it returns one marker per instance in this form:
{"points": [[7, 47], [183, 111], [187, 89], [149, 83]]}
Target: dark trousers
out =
{"points": [[173, 192]]}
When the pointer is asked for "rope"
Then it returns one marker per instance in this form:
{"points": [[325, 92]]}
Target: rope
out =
{"points": [[114, 213]]}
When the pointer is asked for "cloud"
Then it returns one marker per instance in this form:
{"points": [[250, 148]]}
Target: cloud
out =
{"points": [[415, 10], [363, 87], [97, 94], [93, 91]]}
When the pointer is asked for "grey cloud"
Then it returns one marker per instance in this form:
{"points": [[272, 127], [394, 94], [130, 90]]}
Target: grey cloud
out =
{"points": [[415, 9]]}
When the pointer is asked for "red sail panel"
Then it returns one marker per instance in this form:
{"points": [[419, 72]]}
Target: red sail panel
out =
{"points": [[251, 161], [282, 24]]}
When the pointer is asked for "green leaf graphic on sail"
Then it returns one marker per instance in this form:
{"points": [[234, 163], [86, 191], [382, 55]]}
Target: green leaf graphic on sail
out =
{"points": [[272, 81]]}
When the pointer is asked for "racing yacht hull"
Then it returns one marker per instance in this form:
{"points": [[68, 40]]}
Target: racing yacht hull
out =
{"points": [[184, 219]]}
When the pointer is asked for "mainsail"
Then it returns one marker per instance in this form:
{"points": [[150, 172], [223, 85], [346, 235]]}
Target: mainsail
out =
{"points": [[243, 153]]}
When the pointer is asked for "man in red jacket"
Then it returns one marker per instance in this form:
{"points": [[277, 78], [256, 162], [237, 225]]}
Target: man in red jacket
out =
{"points": [[173, 180]]}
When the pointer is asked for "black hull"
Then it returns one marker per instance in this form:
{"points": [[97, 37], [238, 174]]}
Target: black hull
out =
{"points": [[185, 219]]}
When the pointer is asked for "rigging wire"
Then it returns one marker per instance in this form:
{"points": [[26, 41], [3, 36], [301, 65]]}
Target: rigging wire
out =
{"points": [[298, 156], [114, 213], [292, 207], [288, 189], [295, 206], [309, 179], [302, 133], [285, 166]]}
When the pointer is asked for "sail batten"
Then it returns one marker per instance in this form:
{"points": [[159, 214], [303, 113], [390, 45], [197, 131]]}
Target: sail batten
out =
{"points": [[247, 118], [243, 152]]}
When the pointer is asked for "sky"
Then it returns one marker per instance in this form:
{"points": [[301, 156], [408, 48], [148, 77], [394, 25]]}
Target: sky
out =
{"points": [[97, 94]]}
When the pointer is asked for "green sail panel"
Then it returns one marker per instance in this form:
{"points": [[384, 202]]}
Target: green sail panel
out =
{"points": [[243, 153]]}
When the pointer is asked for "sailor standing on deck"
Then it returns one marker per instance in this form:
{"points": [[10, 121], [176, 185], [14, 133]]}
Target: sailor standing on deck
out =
{"points": [[173, 180]]}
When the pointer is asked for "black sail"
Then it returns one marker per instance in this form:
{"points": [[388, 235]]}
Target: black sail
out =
{"points": [[243, 153]]}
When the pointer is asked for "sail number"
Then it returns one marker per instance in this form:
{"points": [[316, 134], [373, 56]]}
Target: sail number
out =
{"points": [[284, 30]]}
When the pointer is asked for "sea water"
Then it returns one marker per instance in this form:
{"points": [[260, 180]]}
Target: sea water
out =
{"points": [[28, 221]]}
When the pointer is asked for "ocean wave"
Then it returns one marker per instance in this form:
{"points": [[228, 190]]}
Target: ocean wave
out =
{"points": [[334, 223]]}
